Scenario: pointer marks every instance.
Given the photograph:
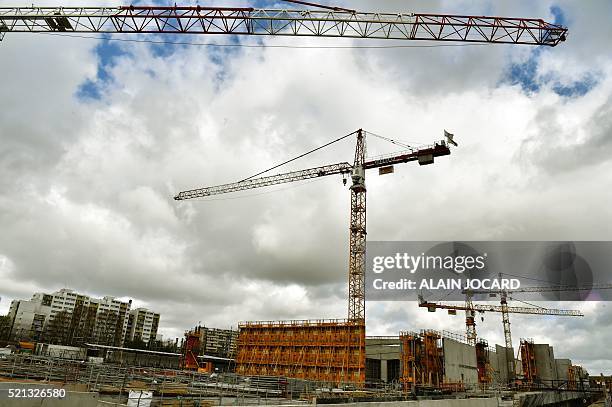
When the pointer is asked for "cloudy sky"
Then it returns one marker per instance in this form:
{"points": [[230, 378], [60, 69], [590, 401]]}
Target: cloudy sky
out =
{"points": [[97, 136]]}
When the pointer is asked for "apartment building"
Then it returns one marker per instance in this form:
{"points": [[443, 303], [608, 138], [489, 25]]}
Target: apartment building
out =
{"points": [[69, 318], [142, 325], [218, 342]]}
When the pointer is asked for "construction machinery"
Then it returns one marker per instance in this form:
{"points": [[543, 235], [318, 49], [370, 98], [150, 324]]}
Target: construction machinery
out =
{"points": [[317, 21], [357, 229], [504, 309], [190, 352]]}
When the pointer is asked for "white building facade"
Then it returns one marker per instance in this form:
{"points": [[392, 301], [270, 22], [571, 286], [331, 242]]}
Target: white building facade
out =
{"points": [[142, 325]]}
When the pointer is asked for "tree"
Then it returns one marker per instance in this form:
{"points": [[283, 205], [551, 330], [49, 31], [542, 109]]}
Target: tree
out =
{"points": [[5, 327], [57, 330]]}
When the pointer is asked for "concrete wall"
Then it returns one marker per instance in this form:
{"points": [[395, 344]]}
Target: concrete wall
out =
{"points": [[459, 362], [553, 399], [386, 352], [562, 368], [500, 367], [383, 349], [498, 361], [545, 362]]}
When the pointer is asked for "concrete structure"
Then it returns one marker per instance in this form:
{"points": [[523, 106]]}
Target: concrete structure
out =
{"points": [[499, 365], [142, 325], [545, 363], [553, 399], [459, 362], [69, 318], [383, 358], [60, 351], [562, 367]]}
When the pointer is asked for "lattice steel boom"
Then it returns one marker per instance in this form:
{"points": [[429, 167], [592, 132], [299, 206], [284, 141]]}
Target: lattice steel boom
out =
{"points": [[285, 22], [340, 168], [545, 289], [497, 308], [357, 229]]}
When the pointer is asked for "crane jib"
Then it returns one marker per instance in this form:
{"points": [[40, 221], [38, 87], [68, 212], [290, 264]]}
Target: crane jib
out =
{"points": [[281, 22]]}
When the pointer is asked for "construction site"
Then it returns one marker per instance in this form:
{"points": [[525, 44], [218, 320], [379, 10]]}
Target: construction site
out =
{"points": [[320, 360]]}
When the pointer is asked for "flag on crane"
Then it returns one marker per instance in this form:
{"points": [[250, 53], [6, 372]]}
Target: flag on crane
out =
{"points": [[449, 138]]}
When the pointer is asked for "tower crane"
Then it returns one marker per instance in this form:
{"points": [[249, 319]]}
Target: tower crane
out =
{"points": [[357, 237], [316, 21], [470, 309]]}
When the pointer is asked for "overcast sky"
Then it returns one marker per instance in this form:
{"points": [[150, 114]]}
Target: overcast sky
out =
{"points": [[97, 136]]}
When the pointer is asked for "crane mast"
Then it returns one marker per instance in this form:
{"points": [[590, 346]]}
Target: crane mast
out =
{"points": [[322, 22], [505, 312], [357, 236]]}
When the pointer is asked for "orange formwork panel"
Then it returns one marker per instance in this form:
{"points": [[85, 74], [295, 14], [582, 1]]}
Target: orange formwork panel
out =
{"points": [[422, 361], [483, 361], [321, 350], [528, 360]]}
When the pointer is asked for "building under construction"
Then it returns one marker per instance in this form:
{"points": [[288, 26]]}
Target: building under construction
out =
{"points": [[330, 351], [539, 368], [446, 361]]}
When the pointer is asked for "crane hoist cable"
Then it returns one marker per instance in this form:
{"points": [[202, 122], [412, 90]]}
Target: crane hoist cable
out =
{"points": [[301, 155]]}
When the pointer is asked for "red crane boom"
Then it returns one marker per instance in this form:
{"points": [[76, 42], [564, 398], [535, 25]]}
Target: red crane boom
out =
{"points": [[328, 22]]}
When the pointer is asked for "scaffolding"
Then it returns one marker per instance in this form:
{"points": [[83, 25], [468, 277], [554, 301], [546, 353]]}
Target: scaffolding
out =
{"points": [[191, 350], [422, 360], [331, 351], [571, 377], [483, 362], [528, 360]]}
